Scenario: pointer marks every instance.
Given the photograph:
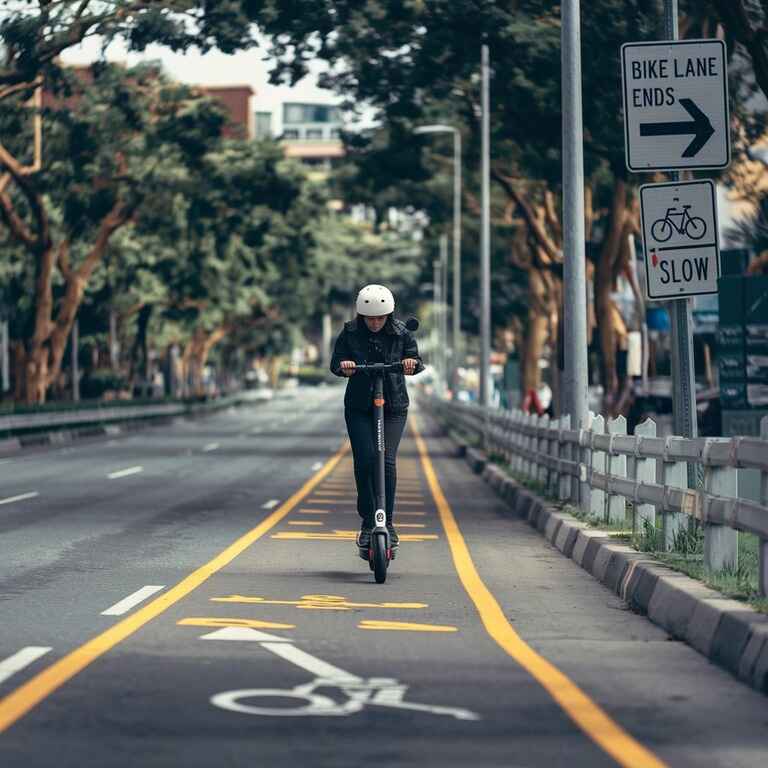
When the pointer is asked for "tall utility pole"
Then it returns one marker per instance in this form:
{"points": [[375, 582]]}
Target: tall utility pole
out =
{"points": [[485, 238], [683, 378], [575, 309], [574, 386]]}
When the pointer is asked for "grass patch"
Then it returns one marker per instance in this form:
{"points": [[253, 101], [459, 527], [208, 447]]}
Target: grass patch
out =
{"points": [[687, 554]]}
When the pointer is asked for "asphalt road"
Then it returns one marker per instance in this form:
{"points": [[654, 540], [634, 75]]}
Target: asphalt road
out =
{"points": [[190, 595]]}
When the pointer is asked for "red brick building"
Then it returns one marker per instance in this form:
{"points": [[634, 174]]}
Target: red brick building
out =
{"points": [[236, 100]]}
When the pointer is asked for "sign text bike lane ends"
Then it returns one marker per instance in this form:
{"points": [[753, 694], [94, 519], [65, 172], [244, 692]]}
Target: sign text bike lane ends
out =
{"points": [[680, 239], [675, 105]]}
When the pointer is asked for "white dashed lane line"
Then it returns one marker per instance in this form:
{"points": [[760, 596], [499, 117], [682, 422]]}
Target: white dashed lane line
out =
{"points": [[318, 465], [125, 472], [125, 605], [211, 447], [20, 497], [270, 504], [21, 659]]}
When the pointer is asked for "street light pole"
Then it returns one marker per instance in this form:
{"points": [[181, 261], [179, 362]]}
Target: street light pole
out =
{"points": [[485, 238], [456, 341], [574, 268]]}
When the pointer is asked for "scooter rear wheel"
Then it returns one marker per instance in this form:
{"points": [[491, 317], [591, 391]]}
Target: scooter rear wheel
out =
{"points": [[379, 546]]}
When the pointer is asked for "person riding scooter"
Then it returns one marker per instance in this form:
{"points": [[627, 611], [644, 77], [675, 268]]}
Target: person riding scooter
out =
{"points": [[375, 336]]}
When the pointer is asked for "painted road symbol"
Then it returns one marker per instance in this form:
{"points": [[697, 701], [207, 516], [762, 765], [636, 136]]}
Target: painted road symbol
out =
{"points": [[675, 105], [352, 693], [317, 603], [680, 237]]}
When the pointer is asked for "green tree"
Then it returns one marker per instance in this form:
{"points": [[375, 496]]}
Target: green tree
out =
{"points": [[106, 146]]}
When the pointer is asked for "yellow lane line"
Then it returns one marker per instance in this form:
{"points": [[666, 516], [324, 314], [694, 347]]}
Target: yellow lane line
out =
{"points": [[216, 621], [589, 716], [404, 626], [305, 522], [17, 703]]}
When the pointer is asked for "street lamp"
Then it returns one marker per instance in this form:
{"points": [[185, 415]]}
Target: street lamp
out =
{"points": [[456, 330]]}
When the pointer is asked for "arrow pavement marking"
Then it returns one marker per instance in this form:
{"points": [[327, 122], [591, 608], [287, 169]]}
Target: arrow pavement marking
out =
{"points": [[244, 634], [699, 126]]}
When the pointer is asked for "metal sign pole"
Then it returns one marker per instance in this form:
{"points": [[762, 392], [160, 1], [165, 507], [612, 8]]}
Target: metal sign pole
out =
{"points": [[485, 240], [574, 384], [683, 378]]}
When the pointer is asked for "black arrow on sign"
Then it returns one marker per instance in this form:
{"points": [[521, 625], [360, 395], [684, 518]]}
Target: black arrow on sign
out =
{"points": [[699, 126]]}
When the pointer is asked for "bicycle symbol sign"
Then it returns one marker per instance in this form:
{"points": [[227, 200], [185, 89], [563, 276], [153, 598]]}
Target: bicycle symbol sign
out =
{"points": [[680, 238]]}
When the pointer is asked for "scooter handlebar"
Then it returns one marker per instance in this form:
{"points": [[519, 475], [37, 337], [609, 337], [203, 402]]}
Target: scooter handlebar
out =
{"points": [[380, 368]]}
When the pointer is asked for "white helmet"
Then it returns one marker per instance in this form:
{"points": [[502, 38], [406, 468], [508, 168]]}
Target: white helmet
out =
{"points": [[375, 300]]}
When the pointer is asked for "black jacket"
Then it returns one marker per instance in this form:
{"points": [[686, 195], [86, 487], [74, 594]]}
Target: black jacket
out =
{"points": [[397, 344]]}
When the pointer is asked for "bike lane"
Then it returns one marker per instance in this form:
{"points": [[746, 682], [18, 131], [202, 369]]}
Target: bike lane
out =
{"points": [[289, 620]]}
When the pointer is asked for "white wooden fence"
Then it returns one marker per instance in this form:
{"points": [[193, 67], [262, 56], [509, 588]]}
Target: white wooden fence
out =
{"points": [[601, 468]]}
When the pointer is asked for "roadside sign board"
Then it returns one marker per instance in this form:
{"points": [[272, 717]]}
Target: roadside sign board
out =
{"points": [[680, 239], [675, 105]]}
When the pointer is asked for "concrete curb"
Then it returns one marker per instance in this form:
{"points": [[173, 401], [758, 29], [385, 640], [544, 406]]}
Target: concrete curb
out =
{"points": [[729, 633]]}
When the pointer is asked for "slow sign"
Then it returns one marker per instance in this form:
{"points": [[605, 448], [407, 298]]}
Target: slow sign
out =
{"points": [[680, 239]]}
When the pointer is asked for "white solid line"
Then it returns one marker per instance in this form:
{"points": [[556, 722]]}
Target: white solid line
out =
{"points": [[21, 659], [125, 472], [317, 466], [20, 497], [270, 504], [316, 666], [125, 605], [211, 447]]}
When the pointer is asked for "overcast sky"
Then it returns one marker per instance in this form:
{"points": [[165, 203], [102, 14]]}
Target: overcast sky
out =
{"points": [[215, 68]]}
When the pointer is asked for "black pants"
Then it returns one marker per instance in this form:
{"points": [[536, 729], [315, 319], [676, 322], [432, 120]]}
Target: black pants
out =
{"points": [[360, 429]]}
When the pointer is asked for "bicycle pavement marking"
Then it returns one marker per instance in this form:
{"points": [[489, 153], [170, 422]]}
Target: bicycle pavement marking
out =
{"points": [[584, 712], [27, 696]]}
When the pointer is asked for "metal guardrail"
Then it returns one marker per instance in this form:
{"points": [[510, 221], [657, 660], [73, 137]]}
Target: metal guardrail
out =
{"points": [[601, 468], [24, 422]]}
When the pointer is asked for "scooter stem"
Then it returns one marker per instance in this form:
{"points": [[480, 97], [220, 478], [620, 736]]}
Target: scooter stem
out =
{"points": [[378, 425]]}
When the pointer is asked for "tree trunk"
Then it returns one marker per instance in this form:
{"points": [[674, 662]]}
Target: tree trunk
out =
{"points": [[604, 280], [202, 344], [139, 356], [535, 338]]}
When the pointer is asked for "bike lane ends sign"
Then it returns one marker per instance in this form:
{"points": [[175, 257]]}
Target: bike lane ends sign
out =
{"points": [[675, 105], [680, 239]]}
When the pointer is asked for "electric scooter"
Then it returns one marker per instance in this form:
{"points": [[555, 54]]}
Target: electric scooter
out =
{"points": [[380, 553]]}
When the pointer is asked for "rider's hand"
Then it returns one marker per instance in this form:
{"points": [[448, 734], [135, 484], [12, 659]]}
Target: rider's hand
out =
{"points": [[348, 367], [409, 366]]}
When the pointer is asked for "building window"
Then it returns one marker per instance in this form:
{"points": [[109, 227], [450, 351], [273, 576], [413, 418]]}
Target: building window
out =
{"points": [[263, 125], [311, 113], [335, 133], [314, 133], [290, 133]]}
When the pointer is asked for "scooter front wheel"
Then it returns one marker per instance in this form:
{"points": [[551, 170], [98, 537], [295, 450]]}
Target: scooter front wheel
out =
{"points": [[379, 557]]}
